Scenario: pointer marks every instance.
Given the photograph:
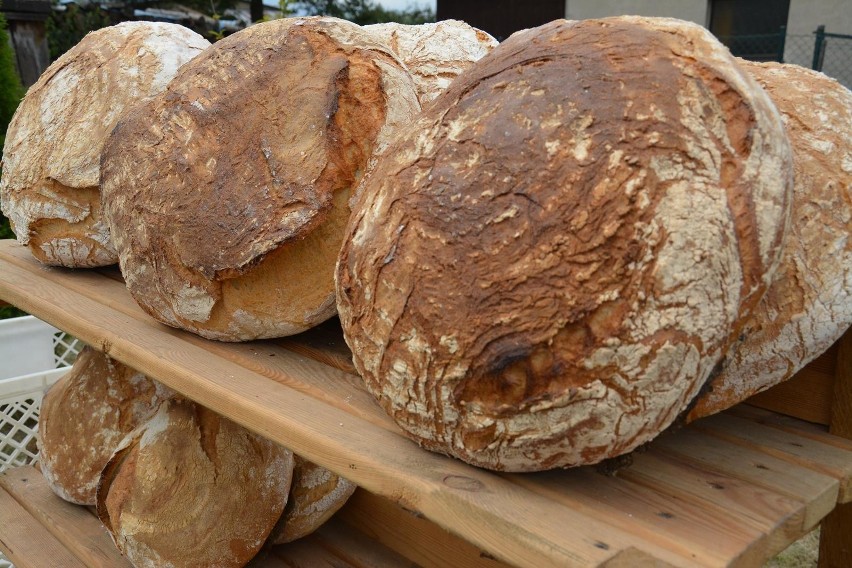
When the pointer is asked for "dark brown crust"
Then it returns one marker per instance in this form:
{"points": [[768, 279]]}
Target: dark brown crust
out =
{"points": [[524, 250], [245, 153]]}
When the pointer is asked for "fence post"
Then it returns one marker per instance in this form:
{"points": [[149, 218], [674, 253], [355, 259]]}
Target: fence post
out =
{"points": [[819, 48], [782, 43]]}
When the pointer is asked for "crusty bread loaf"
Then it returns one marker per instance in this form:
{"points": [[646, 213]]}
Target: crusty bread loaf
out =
{"points": [[435, 53], [85, 416], [315, 495], [190, 488], [546, 266], [809, 305], [227, 195], [51, 158]]}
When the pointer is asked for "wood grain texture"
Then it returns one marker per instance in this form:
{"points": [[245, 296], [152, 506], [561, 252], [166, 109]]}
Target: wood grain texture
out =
{"points": [[75, 527], [807, 396], [298, 392], [28, 544], [835, 547]]}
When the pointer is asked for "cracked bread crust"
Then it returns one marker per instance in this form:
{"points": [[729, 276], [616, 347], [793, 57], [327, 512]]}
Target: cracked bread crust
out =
{"points": [[190, 488], [227, 195], [51, 158], [546, 267], [435, 53], [809, 305], [85, 416]]}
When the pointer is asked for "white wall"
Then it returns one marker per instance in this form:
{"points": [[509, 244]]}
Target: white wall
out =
{"points": [[836, 16], [692, 10]]}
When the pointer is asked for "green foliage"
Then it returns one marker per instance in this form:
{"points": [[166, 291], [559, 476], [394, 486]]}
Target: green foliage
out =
{"points": [[11, 93], [66, 29], [364, 12], [11, 312]]}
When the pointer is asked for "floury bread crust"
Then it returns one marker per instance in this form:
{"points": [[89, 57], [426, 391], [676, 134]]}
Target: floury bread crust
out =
{"points": [[51, 158], [227, 195], [546, 267], [809, 305], [190, 488], [85, 416], [435, 53], [315, 495]]}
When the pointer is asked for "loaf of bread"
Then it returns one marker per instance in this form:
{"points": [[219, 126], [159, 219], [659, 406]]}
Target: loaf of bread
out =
{"points": [[546, 266], [434, 53], [85, 416], [315, 495], [227, 195], [809, 305], [51, 159], [190, 488]]}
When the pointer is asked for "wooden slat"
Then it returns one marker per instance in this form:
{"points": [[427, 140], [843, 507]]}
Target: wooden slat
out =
{"points": [[354, 547], [787, 446], [817, 492], [835, 550], [74, 526], [28, 544], [806, 395], [498, 517], [412, 535]]}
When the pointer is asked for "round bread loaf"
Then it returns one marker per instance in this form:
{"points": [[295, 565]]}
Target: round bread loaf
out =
{"points": [[434, 53], [315, 495], [227, 195], [190, 488], [85, 416], [51, 158], [809, 305], [547, 265]]}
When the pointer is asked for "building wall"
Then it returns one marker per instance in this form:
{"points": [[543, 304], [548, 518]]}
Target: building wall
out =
{"points": [[806, 15], [692, 10]]}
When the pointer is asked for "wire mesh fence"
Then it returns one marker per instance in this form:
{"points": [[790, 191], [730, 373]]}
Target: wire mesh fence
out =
{"points": [[822, 51]]}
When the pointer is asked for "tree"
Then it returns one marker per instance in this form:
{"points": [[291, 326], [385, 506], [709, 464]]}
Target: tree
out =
{"points": [[364, 12], [11, 93]]}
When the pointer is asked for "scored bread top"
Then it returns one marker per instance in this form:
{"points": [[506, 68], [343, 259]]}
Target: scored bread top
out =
{"points": [[85, 416], [548, 264], [245, 164], [809, 305], [51, 158]]}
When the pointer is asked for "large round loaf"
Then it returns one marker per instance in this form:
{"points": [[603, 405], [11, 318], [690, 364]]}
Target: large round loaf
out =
{"points": [[85, 416], [190, 488], [315, 495], [547, 265], [435, 53], [51, 159], [227, 195], [809, 305]]}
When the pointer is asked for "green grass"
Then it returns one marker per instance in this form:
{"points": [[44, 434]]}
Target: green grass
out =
{"points": [[801, 554]]}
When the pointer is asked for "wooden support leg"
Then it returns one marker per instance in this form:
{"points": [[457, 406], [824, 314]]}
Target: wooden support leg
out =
{"points": [[835, 547]]}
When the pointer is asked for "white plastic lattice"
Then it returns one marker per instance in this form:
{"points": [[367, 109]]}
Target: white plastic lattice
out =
{"points": [[4, 562]]}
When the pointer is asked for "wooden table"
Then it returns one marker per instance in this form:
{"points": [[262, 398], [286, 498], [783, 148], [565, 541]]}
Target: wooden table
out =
{"points": [[729, 490]]}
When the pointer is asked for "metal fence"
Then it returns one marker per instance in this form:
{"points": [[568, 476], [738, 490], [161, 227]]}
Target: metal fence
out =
{"points": [[826, 52]]}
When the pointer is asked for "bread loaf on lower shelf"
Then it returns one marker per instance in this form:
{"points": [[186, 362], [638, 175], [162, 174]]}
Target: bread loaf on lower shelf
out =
{"points": [[85, 416], [546, 266], [809, 305], [190, 488]]}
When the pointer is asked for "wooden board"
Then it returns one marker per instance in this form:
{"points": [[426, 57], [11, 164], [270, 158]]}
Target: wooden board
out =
{"points": [[301, 392]]}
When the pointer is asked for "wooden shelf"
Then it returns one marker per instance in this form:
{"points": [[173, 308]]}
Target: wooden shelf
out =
{"points": [[733, 489]]}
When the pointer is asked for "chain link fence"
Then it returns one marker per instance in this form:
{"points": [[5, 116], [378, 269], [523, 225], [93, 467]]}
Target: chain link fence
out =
{"points": [[826, 52]]}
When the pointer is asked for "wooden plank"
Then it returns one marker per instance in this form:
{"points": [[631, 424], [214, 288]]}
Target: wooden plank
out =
{"points": [[510, 523], [410, 534], [788, 446], [73, 526], [807, 395], [818, 492], [781, 518], [835, 549], [26, 543], [709, 534], [354, 547]]}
